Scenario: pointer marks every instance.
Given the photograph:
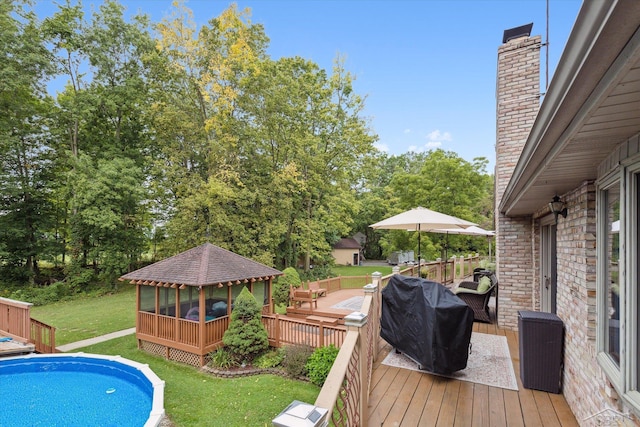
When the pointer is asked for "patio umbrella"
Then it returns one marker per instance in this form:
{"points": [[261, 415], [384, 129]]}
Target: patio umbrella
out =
{"points": [[421, 219], [470, 231]]}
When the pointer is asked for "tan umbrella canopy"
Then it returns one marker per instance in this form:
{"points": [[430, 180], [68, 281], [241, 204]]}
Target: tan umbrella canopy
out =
{"points": [[470, 231], [421, 219]]}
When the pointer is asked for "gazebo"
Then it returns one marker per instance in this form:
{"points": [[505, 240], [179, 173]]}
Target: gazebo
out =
{"points": [[183, 303]]}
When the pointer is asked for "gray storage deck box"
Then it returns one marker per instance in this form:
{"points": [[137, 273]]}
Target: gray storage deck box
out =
{"points": [[541, 337]]}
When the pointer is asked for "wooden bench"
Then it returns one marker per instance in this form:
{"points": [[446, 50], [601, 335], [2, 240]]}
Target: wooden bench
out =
{"points": [[316, 289], [299, 296]]}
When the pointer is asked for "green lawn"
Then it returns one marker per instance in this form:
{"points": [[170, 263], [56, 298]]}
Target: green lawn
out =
{"points": [[89, 317], [194, 398], [355, 270]]}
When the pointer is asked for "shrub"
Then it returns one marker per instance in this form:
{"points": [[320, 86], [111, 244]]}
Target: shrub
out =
{"points": [[246, 337], [222, 359], [295, 359], [485, 264], [280, 291], [270, 359], [320, 363]]}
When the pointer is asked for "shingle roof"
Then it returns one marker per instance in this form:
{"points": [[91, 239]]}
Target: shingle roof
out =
{"points": [[201, 266], [347, 243]]}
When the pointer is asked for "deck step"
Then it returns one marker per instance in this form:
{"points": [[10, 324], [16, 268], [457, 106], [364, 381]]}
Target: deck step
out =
{"points": [[321, 319]]}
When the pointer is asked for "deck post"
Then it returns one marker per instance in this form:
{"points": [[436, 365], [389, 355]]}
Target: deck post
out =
{"points": [[276, 321], [356, 322], [373, 289]]}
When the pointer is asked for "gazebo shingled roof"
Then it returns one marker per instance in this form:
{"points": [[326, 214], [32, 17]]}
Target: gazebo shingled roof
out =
{"points": [[204, 265]]}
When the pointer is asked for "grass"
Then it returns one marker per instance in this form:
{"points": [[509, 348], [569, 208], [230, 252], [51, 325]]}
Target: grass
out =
{"points": [[355, 270], [195, 398], [89, 317]]}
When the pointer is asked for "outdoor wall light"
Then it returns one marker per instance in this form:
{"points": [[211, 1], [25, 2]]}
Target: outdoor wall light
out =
{"points": [[556, 206]]}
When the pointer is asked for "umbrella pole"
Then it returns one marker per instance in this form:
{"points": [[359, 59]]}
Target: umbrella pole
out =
{"points": [[419, 254], [446, 256]]}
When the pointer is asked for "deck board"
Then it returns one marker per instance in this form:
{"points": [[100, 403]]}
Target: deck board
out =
{"points": [[420, 399]]}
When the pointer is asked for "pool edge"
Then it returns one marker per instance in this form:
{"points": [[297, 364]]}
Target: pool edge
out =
{"points": [[157, 405]]}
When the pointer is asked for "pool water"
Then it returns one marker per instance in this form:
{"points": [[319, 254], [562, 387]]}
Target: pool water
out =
{"points": [[73, 391]]}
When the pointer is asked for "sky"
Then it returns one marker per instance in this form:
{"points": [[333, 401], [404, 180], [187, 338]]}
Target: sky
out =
{"points": [[426, 67]]}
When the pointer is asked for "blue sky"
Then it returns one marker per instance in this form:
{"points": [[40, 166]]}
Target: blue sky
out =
{"points": [[427, 67]]}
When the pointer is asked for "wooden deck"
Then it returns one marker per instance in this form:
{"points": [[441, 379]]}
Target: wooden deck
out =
{"points": [[400, 397], [15, 347], [325, 306]]}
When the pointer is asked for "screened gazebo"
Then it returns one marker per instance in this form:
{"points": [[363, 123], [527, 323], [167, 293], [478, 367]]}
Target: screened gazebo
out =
{"points": [[184, 302]]}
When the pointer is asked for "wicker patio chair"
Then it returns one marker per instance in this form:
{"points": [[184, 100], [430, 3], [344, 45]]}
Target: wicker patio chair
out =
{"points": [[478, 300]]}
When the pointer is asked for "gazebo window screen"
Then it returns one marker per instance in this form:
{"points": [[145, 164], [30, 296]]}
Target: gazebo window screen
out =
{"points": [[148, 299], [235, 291], [167, 301], [259, 291], [188, 300], [216, 301]]}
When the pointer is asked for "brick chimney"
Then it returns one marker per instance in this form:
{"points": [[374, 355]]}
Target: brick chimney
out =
{"points": [[517, 104]]}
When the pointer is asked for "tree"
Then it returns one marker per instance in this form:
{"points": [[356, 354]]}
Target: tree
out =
{"points": [[25, 154], [246, 337], [445, 183], [102, 137]]}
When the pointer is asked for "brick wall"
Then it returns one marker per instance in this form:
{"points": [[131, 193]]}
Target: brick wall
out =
{"points": [[517, 104], [576, 302]]}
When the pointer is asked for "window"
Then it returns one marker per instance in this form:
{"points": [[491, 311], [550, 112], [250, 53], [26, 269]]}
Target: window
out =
{"points": [[618, 298], [612, 283], [259, 291], [148, 299], [189, 301], [167, 301]]}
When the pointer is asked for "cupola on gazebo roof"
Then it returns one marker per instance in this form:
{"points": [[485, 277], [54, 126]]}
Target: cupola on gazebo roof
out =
{"points": [[205, 265]]}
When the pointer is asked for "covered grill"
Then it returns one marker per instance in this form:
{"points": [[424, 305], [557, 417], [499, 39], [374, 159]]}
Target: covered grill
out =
{"points": [[427, 322]]}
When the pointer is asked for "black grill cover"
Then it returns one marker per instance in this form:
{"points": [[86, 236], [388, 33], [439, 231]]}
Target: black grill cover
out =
{"points": [[427, 322]]}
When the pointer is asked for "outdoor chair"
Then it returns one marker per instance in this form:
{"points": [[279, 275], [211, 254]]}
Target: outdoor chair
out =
{"points": [[298, 296], [316, 289], [477, 295]]}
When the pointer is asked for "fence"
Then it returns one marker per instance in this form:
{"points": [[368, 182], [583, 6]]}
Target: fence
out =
{"points": [[346, 391], [287, 330], [16, 321]]}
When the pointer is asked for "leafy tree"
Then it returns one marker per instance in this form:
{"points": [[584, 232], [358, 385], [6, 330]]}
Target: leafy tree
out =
{"points": [[102, 140], [246, 337], [25, 154], [445, 183]]}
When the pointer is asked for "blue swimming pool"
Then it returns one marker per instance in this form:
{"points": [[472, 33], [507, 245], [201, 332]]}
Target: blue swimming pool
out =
{"points": [[79, 390]]}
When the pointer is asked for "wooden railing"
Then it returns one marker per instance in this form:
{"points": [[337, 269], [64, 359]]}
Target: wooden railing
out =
{"points": [[345, 392], [16, 322], [43, 337], [287, 330]]}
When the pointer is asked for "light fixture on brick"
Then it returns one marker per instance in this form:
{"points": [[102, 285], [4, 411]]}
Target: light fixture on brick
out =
{"points": [[556, 206]]}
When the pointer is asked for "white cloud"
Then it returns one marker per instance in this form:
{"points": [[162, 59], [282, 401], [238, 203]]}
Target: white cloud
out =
{"points": [[433, 144], [438, 136], [381, 147], [413, 149], [407, 131]]}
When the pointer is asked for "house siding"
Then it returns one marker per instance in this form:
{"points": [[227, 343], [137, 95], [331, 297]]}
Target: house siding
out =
{"points": [[518, 101]]}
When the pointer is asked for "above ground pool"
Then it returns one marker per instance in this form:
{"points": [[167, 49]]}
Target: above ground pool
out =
{"points": [[78, 389]]}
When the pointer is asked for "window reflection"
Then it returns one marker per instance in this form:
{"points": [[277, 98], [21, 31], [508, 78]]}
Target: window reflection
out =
{"points": [[613, 278]]}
